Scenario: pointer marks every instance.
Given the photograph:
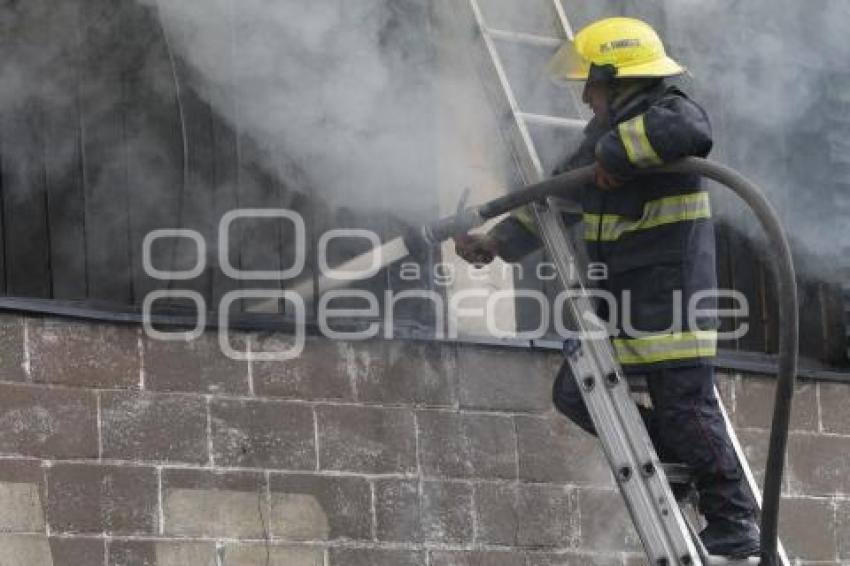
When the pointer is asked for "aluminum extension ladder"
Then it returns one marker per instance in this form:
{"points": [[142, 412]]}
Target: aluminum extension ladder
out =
{"points": [[669, 537]]}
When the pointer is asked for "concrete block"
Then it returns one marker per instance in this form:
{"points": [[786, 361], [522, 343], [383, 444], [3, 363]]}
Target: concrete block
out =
{"points": [[415, 373], [477, 558], [397, 510], [754, 400], [554, 450], [366, 439], [263, 434], [20, 508], [47, 423], [154, 427], [311, 507], [84, 354], [203, 503], [526, 515], [446, 512], [162, 553], [271, 555], [807, 529], [834, 400], [458, 445], [375, 557], [21, 497], [755, 443], [496, 513], [605, 524], [321, 372], [26, 550], [818, 464], [78, 551], [118, 500], [548, 516], [505, 380], [196, 366], [576, 559]]}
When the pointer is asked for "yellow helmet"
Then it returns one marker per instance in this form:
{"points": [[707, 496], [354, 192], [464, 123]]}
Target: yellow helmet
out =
{"points": [[627, 47]]}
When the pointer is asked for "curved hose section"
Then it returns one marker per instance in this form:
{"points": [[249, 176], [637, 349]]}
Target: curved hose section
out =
{"points": [[788, 337]]}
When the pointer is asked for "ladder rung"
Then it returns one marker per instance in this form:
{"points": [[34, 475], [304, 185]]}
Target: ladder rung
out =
{"points": [[720, 561], [525, 38], [638, 383], [677, 473], [557, 121]]}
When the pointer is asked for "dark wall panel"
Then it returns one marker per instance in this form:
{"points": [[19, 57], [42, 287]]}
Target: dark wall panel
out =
{"points": [[111, 138], [27, 252]]}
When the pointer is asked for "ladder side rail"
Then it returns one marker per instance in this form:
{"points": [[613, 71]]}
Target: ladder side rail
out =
{"points": [[563, 20], [567, 33], [665, 538], [529, 159], [647, 494]]}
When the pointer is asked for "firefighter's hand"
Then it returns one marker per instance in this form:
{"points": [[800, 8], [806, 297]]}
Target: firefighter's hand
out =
{"points": [[605, 180], [477, 249]]}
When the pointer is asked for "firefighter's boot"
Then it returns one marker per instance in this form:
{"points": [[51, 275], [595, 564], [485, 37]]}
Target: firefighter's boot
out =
{"points": [[736, 537]]}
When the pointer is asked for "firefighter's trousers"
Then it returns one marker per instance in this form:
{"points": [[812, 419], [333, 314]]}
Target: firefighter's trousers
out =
{"points": [[686, 426]]}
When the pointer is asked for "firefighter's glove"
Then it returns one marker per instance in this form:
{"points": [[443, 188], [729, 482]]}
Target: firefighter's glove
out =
{"points": [[477, 249], [605, 180]]}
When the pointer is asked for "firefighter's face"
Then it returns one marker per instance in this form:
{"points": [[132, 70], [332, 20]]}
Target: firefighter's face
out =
{"points": [[596, 96]]}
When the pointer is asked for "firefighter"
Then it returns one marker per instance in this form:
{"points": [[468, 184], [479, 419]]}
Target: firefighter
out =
{"points": [[655, 235]]}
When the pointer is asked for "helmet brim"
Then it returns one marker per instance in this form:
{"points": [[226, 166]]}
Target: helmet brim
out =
{"points": [[568, 65], [665, 67]]}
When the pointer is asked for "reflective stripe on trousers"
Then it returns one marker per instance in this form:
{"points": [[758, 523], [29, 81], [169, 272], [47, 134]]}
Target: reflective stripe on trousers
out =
{"points": [[667, 210], [666, 347]]}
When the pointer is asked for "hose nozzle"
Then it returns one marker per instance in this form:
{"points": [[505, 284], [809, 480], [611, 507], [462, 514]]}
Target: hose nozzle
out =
{"points": [[446, 228]]}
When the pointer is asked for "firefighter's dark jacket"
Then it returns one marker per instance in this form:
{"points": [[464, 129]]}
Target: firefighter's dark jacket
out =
{"points": [[654, 232]]}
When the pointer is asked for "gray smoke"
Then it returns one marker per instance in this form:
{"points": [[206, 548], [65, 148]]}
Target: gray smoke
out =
{"points": [[331, 86], [340, 88], [343, 99], [775, 77]]}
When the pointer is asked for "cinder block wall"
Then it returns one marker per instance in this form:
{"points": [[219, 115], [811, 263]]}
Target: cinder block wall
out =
{"points": [[124, 451]]}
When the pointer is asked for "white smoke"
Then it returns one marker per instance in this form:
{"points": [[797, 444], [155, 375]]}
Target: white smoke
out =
{"points": [[340, 88], [329, 85], [772, 74]]}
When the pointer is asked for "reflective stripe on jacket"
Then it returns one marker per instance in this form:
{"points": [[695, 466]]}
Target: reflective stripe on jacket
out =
{"points": [[667, 210]]}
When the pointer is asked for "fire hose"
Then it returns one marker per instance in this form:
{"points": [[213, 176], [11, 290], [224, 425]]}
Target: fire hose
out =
{"points": [[568, 184]]}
